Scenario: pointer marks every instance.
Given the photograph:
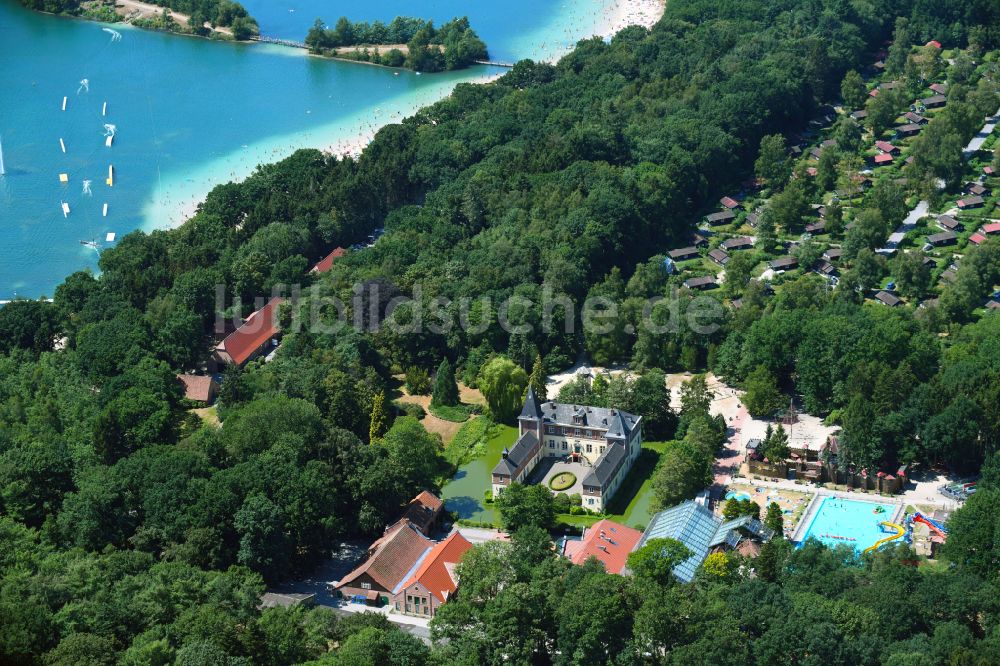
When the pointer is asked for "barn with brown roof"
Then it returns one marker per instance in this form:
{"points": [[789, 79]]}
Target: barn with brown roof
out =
{"points": [[390, 560], [423, 511], [198, 388]]}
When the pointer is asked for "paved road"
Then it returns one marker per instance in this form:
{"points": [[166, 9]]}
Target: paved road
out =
{"points": [[419, 631], [922, 208], [980, 138]]}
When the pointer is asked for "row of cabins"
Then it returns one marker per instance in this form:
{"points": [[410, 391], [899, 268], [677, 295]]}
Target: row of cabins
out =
{"points": [[821, 464]]}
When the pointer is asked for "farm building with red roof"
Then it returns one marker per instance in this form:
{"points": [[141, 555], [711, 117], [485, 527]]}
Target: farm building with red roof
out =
{"points": [[607, 541], [432, 581], [253, 337], [326, 263]]}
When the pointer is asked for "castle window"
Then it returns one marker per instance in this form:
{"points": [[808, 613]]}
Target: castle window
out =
{"points": [[590, 448], [565, 446]]}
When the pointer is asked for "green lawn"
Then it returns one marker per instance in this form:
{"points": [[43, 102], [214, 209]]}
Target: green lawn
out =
{"points": [[633, 503], [453, 413]]}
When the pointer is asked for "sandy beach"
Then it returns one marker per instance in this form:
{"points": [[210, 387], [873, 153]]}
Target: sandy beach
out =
{"points": [[176, 203], [623, 13]]}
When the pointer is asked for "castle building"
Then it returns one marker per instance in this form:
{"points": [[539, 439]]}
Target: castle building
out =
{"points": [[607, 440]]}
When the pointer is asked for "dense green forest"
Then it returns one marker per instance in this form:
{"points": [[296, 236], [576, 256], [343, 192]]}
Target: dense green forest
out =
{"points": [[134, 532], [454, 45]]}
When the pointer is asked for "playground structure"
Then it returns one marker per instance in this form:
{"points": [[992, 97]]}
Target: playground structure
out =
{"points": [[959, 491], [906, 533]]}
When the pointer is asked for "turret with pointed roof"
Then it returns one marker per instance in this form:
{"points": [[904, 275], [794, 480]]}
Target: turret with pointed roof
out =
{"points": [[532, 406]]}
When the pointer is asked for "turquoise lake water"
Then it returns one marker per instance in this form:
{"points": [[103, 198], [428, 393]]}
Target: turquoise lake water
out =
{"points": [[191, 113], [512, 30], [854, 523]]}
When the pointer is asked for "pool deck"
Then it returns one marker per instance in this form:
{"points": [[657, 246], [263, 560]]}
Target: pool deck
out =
{"points": [[821, 494]]}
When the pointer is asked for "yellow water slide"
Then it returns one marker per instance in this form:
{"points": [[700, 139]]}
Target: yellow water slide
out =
{"points": [[900, 531]]}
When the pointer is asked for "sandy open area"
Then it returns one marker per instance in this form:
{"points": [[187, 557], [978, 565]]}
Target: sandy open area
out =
{"points": [[133, 9], [793, 503], [623, 13], [431, 423]]}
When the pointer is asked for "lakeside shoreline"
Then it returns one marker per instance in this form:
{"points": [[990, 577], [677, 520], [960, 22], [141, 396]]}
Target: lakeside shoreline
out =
{"points": [[177, 200], [620, 14]]}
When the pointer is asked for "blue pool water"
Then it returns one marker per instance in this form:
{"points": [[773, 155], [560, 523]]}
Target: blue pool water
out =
{"points": [[735, 495], [849, 519]]}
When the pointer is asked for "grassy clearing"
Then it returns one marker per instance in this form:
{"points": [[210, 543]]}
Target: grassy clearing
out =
{"points": [[455, 414]]}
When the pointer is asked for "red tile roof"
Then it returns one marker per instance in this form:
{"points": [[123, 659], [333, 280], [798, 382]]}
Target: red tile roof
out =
{"points": [[977, 238], [436, 571], [883, 158], [609, 542], [991, 228], [395, 554], [326, 263], [885, 146], [935, 43], [197, 388], [423, 510], [258, 328], [729, 202]]}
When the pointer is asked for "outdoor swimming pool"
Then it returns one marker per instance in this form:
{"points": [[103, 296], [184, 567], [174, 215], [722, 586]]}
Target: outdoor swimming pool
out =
{"points": [[849, 522]]}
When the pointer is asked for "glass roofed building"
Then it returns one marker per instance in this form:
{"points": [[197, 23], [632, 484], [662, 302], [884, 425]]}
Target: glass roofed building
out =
{"points": [[697, 528]]}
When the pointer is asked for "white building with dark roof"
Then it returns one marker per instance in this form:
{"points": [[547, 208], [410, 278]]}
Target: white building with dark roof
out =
{"points": [[608, 441]]}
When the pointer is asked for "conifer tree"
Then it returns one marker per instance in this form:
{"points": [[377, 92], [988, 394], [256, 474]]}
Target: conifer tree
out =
{"points": [[537, 379], [379, 420], [774, 520], [445, 388]]}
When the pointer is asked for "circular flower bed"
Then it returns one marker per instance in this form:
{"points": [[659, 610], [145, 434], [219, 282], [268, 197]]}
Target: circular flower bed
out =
{"points": [[562, 481]]}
